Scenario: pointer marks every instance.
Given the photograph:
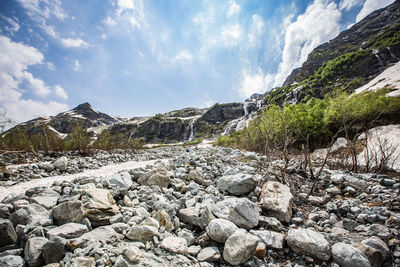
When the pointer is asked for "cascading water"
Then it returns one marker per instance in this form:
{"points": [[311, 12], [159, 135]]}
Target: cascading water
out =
{"points": [[191, 136], [230, 126], [391, 54], [259, 104], [381, 66], [246, 112]]}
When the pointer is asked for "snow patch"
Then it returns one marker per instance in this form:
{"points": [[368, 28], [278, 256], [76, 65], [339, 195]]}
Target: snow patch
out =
{"points": [[390, 77]]}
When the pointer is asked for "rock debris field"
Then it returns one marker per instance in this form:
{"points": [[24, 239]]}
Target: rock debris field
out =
{"points": [[210, 206]]}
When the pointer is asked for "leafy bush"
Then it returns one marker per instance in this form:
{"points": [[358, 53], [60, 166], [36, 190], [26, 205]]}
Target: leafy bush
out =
{"points": [[317, 119]]}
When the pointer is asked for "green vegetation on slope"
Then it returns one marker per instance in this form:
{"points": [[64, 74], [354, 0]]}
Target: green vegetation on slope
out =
{"points": [[317, 120]]}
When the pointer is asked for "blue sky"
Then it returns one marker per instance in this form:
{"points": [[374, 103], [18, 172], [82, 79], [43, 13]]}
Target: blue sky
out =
{"points": [[142, 57]]}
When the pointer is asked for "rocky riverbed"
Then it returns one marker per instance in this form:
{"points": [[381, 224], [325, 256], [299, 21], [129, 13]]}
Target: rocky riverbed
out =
{"points": [[211, 206]]}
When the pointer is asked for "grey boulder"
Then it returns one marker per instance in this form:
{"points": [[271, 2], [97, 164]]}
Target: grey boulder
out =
{"points": [[308, 242], [237, 184], [348, 256], [240, 247], [240, 211], [221, 229], [277, 200], [69, 211], [68, 230], [12, 261], [8, 235], [33, 251]]}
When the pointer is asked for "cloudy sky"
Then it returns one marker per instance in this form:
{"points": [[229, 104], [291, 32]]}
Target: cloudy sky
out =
{"points": [[142, 57]]}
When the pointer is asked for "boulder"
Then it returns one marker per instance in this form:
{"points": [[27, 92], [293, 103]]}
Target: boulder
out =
{"points": [[102, 234], [240, 247], [68, 230], [175, 244], [240, 211], [209, 254], [32, 214], [54, 250], [271, 239], [133, 254], [33, 251], [47, 198], [164, 220], [220, 229], [348, 256], [83, 262], [159, 177], [12, 261], [277, 200], [69, 211], [121, 180], [308, 242], [142, 233], [198, 177], [200, 217], [8, 235], [237, 184], [99, 206], [377, 243], [61, 163]]}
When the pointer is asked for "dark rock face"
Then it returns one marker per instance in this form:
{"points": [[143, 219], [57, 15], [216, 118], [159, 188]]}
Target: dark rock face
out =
{"points": [[358, 36], [221, 113]]}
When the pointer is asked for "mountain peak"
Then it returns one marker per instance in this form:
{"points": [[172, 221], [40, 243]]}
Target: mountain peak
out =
{"points": [[83, 106]]}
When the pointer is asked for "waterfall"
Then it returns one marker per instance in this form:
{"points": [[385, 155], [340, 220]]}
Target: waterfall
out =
{"points": [[391, 54], [381, 66], [230, 126], [259, 104], [191, 136], [246, 112]]}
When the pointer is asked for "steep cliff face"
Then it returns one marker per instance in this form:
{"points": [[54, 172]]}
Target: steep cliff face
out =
{"points": [[378, 31]]}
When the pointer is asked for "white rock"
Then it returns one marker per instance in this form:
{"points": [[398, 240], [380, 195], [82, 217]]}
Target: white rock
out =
{"points": [[308, 242], [175, 244], [61, 163], [240, 247], [221, 229], [277, 200]]}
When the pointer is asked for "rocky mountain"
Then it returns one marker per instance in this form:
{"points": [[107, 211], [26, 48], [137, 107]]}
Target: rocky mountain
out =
{"points": [[350, 60]]}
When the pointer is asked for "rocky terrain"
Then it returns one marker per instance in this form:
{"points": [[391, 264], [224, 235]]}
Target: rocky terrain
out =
{"points": [[211, 206]]}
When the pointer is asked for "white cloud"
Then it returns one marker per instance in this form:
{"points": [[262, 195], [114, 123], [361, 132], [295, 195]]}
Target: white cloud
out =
{"points": [[183, 56], [131, 11], [44, 8], [233, 9], [77, 65], [104, 36], [75, 43], [349, 4], [38, 86], [231, 34], [50, 66], [253, 82], [14, 63], [256, 29], [319, 23], [13, 25], [109, 21], [372, 5], [60, 92]]}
